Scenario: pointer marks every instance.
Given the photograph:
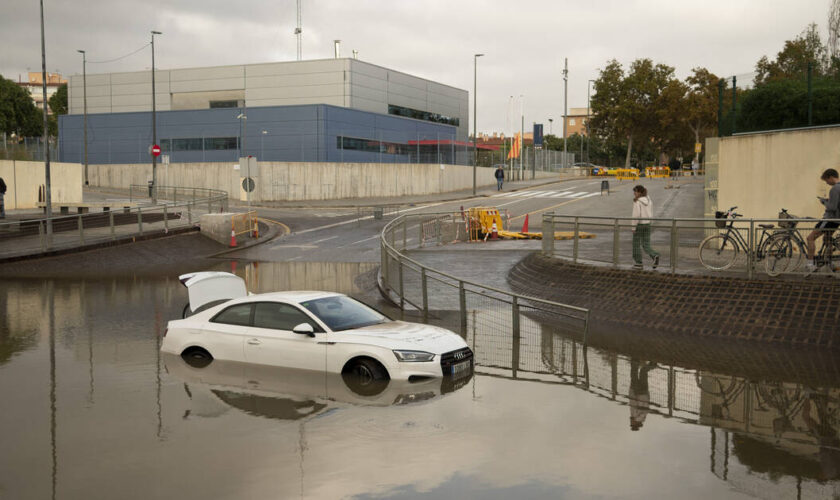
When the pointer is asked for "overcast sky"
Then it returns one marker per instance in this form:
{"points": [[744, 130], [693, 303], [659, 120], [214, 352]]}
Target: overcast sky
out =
{"points": [[524, 42]]}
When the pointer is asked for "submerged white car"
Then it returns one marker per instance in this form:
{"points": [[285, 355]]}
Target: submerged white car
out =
{"points": [[308, 330]]}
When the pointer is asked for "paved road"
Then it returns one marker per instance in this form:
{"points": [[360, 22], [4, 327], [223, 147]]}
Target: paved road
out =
{"points": [[335, 234]]}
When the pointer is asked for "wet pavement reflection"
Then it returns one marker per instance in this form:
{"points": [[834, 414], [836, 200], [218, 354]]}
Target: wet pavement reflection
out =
{"points": [[92, 409]]}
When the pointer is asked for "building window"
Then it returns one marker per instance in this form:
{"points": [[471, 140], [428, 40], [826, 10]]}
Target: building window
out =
{"points": [[224, 104], [371, 146], [422, 115], [571, 121], [199, 144]]}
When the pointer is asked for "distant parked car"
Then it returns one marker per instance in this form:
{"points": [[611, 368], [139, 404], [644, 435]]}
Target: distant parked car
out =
{"points": [[308, 330]]}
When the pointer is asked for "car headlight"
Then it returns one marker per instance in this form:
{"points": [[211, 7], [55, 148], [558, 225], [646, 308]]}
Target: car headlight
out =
{"points": [[413, 356]]}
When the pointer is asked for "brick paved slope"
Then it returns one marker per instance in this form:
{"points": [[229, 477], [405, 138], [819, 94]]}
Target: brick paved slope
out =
{"points": [[805, 312]]}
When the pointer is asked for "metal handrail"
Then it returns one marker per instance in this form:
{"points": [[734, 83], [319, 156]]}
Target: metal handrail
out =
{"points": [[389, 251]]}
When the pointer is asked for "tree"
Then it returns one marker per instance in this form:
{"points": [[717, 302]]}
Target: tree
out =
{"points": [[793, 60], [58, 106], [701, 103], [18, 114], [630, 107]]}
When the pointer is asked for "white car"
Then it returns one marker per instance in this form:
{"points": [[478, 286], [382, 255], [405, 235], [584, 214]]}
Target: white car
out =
{"points": [[310, 331]]}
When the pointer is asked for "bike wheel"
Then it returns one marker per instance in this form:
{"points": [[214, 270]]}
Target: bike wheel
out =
{"points": [[718, 252], [779, 256]]}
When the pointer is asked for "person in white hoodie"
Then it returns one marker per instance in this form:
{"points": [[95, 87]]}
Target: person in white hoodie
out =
{"points": [[642, 213]]}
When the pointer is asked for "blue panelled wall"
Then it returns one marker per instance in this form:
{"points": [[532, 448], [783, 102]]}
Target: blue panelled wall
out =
{"points": [[311, 133]]}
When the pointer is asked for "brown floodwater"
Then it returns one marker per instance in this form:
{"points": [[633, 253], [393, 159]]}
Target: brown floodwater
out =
{"points": [[91, 409]]}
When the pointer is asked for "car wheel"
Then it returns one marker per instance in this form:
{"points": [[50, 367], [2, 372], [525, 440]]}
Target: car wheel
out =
{"points": [[196, 357], [365, 376]]}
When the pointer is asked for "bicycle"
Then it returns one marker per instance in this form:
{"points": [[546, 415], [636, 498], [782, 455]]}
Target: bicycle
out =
{"points": [[719, 251], [788, 249]]}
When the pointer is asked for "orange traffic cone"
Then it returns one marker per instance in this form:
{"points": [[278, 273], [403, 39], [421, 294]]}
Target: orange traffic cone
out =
{"points": [[232, 238], [525, 225], [256, 231], [494, 232]]}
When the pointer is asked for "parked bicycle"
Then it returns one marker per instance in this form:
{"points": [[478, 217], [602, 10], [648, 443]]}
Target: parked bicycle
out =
{"points": [[720, 251], [789, 249]]}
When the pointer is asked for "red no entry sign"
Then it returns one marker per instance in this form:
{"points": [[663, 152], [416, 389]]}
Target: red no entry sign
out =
{"points": [[156, 150]]}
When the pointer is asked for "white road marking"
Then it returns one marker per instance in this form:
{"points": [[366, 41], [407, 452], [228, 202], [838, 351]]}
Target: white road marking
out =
{"points": [[324, 239], [561, 194], [368, 217]]}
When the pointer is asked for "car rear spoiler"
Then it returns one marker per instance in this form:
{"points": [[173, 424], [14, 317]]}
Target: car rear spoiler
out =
{"points": [[212, 286]]}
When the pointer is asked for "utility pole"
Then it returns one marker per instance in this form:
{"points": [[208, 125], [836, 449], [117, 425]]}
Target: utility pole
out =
{"points": [[565, 110], [47, 182], [522, 137], [299, 33], [84, 122], [154, 123], [475, 118], [588, 101]]}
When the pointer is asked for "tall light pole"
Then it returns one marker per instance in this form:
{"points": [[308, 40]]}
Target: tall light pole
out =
{"points": [[262, 136], [550, 123], [154, 123], [475, 117], [47, 182], [588, 103], [243, 123], [522, 137], [565, 110], [84, 122]]}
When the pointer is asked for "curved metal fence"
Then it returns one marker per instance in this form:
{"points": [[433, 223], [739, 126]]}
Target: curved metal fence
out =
{"points": [[736, 247], [462, 305], [103, 221]]}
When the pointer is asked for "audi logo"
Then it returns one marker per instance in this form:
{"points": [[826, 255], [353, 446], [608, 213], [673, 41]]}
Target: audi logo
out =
{"points": [[460, 355]]}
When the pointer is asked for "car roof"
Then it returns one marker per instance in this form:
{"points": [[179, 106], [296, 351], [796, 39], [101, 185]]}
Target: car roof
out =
{"points": [[296, 296]]}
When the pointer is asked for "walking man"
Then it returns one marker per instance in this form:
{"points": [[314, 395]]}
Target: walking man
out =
{"points": [[2, 195], [500, 177]]}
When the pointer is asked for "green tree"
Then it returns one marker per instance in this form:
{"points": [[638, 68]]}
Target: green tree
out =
{"points": [[630, 107], [58, 106], [793, 60], [701, 103], [18, 114]]}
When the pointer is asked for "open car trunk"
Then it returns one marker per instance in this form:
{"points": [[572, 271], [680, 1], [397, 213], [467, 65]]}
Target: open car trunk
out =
{"points": [[209, 288]]}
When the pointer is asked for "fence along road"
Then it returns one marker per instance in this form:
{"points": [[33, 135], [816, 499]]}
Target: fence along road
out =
{"points": [[678, 240], [177, 207], [470, 306]]}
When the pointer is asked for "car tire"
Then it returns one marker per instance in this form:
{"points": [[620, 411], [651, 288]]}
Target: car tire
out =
{"points": [[365, 376], [197, 357]]}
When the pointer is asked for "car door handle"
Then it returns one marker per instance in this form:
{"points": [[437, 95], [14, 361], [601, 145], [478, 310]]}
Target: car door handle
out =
{"points": [[254, 341]]}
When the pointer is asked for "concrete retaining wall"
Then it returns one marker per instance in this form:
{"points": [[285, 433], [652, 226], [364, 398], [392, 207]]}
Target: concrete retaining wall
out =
{"points": [[217, 227], [281, 181], [24, 179], [761, 173]]}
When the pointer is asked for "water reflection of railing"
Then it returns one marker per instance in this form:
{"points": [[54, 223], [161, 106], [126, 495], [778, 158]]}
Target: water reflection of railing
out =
{"points": [[478, 306]]}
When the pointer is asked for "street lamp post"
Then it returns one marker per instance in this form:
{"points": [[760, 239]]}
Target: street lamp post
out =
{"points": [[47, 181], [262, 136], [154, 123], [84, 122], [550, 123], [588, 104], [475, 118]]}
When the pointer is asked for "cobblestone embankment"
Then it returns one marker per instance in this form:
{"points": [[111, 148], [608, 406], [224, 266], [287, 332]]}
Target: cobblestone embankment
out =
{"points": [[783, 312]]}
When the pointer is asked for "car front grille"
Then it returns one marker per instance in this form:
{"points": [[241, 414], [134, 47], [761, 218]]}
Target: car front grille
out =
{"points": [[450, 358]]}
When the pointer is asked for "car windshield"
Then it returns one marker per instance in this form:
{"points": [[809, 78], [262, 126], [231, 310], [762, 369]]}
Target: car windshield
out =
{"points": [[343, 313]]}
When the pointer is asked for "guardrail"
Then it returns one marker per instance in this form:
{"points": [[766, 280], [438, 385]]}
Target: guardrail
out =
{"points": [[748, 247], [479, 307], [176, 207]]}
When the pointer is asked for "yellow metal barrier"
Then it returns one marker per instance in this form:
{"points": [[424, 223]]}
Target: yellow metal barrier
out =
{"points": [[244, 223], [627, 174], [658, 172]]}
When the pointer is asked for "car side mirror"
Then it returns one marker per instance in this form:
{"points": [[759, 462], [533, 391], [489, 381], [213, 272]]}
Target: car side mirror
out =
{"points": [[304, 329]]}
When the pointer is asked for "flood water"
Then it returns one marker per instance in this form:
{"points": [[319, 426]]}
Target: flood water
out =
{"points": [[91, 409]]}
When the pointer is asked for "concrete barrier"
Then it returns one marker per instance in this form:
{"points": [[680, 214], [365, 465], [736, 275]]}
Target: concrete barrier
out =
{"points": [[283, 181], [24, 180], [217, 227]]}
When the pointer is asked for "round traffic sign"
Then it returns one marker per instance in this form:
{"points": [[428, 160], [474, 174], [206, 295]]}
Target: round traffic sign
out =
{"points": [[156, 150]]}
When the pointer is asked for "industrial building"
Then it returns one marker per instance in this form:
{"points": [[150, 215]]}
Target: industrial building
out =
{"points": [[321, 110]]}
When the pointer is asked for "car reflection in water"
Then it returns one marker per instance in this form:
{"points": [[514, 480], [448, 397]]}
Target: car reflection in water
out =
{"points": [[290, 394]]}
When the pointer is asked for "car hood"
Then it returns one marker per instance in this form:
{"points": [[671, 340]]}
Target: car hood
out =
{"points": [[405, 335]]}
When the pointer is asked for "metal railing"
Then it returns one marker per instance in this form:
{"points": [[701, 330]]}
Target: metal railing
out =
{"points": [[177, 207], [478, 307], [751, 247]]}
